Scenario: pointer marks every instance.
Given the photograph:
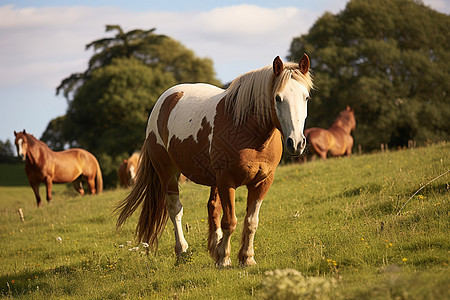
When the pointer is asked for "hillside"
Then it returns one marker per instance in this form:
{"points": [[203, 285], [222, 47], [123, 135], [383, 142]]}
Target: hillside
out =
{"points": [[339, 222]]}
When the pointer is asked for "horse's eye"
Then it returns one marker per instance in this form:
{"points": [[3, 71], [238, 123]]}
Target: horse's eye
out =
{"points": [[278, 98], [307, 98]]}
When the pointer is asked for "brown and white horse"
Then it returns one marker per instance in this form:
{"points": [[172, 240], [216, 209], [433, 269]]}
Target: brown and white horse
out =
{"points": [[336, 140], [223, 139], [47, 166], [127, 170]]}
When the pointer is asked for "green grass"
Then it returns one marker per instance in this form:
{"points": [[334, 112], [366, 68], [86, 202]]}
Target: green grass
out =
{"points": [[334, 219]]}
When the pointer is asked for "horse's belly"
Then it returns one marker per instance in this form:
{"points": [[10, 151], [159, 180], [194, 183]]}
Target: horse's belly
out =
{"points": [[193, 160], [66, 173]]}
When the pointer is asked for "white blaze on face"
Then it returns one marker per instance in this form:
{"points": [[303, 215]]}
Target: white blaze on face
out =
{"points": [[291, 108], [20, 149], [132, 173]]}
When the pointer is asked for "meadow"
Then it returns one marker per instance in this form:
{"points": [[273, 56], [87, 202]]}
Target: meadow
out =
{"points": [[335, 229]]}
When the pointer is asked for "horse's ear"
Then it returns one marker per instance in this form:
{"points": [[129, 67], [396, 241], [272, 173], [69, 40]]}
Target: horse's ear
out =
{"points": [[15, 133], [24, 131], [277, 66], [304, 64]]}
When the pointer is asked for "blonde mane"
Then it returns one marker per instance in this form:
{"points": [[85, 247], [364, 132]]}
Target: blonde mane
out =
{"points": [[254, 92]]}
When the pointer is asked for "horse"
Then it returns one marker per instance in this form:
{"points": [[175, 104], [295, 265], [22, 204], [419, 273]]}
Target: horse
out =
{"points": [[127, 170], [42, 165], [222, 139], [337, 139]]}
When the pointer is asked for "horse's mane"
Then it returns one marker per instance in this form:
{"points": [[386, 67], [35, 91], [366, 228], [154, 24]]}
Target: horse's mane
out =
{"points": [[253, 92], [33, 140]]}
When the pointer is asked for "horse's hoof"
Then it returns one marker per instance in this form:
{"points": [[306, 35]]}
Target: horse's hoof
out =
{"points": [[181, 248], [249, 261], [223, 263]]}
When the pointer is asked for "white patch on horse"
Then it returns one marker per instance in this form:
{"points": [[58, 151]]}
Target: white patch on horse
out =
{"points": [[20, 149], [199, 101], [132, 172], [175, 210], [152, 124]]}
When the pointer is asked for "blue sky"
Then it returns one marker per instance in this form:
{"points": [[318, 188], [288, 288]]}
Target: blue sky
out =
{"points": [[42, 42]]}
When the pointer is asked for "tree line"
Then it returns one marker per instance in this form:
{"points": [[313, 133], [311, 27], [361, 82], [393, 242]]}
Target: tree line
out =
{"points": [[388, 59]]}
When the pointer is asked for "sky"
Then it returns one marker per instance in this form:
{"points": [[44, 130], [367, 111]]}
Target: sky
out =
{"points": [[43, 42]]}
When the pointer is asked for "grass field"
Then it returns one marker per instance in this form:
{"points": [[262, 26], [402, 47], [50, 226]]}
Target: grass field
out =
{"points": [[339, 222]]}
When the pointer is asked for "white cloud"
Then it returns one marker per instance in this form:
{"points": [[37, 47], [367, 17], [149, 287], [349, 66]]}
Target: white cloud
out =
{"points": [[440, 5], [43, 45]]}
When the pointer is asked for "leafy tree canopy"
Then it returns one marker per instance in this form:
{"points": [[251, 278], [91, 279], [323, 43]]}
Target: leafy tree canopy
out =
{"points": [[390, 61], [153, 50]]}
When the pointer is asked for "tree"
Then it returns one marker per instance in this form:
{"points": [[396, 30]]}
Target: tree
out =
{"points": [[392, 68], [153, 50], [7, 152]]}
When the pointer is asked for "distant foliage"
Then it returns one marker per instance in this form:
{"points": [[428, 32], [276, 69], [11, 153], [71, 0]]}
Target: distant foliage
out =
{"points": [[7, 154], [390, 61]]}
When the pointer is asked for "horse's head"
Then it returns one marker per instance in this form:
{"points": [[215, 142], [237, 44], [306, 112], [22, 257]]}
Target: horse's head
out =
{"points": [[351, 117], [346, 119], [21, 142], [291, 93]]}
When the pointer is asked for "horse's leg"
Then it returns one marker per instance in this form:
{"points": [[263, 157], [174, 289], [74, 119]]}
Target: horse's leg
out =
{"points": [[348, 152], [215, 231], [35, 187], [228, 225], [48, 184], [175, 210], [78, 185], [256, 194], [91, 184]]}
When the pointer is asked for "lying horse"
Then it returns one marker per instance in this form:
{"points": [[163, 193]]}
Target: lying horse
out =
{"points": [[337, 139], [46, 166], [223, 139], [127, 170]]}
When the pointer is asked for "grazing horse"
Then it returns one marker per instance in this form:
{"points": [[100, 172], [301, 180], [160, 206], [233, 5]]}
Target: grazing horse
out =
{"points": [[223, 139], [47, 166], [337, 139], [127, 170]]}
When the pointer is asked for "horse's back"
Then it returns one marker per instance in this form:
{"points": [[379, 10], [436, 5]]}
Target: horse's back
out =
{"points": [[76, 159], [182, 108]]}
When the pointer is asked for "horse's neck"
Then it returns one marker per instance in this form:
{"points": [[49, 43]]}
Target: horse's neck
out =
{"points": [[266, 130], [35, 150]]}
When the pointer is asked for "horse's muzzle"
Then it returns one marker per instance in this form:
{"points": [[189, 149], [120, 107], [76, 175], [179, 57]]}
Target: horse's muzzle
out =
{"points": [[295, 149]]}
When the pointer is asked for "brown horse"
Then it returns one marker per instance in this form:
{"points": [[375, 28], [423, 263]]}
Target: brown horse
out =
{"points": [[337, 139], [127, 170], [46, 166], [223, 139]]}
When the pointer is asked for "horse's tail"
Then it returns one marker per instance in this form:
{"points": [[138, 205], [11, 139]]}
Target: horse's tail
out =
{"points": [[98, 180], [148, 191]]}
